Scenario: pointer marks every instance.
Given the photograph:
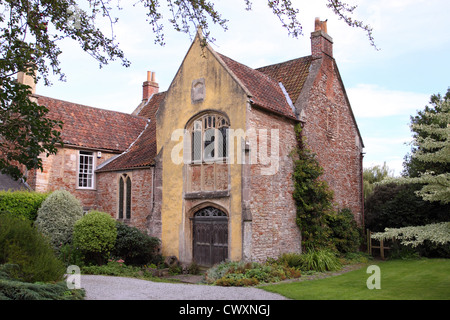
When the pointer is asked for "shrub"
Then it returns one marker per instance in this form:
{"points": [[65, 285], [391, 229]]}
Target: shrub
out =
{"points": [[312, 195], [346, 236], [291, 259], [95, 235], [112, 268], [394, 205], [174, 270], [13, 289], [134, 246], [320, 261], [71, 255], [22, 203], [193, 268], [249, 273], [57, 216], [23, 245]]}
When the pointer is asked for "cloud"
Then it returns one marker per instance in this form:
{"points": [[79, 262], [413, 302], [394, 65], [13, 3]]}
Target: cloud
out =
{"points": [[373, 101], [391, 150]]}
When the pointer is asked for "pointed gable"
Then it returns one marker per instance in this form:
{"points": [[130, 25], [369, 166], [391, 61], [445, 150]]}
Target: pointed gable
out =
{"points": [[150, 108], [265, 91], [142, 152], [292, 74]]}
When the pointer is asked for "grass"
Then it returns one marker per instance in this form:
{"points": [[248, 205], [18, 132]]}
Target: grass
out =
{"points": [[421, 279]]}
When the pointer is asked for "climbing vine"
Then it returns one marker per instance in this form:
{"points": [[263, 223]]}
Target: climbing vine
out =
{"points": [[313, 198], [323, 225]]}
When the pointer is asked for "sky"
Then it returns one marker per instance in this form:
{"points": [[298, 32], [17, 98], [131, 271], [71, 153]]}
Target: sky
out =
{"points": [[385, 87]]}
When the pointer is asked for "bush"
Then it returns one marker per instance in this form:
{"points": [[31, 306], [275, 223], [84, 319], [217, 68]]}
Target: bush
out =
{"points": [[112, 268], [95, 235], [193, 268], [320, 261], [249, 273], [22, 203], [13, 289], [23, 245], [345, 235], [291, 259], [312, 195], [134, 246], [71, 255], [57, 216], [396, 205]]}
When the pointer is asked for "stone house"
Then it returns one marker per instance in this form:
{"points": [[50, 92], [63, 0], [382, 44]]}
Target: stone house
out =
{"points": [[205, 166]]}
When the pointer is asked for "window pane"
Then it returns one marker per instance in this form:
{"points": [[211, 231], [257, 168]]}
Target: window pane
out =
{"points": [[86, 170], [196, 146], [128, 198], [121, 198], [222, 143], [209, 144]]}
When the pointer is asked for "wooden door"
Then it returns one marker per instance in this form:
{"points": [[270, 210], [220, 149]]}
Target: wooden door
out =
{"points": [[210, 236]]}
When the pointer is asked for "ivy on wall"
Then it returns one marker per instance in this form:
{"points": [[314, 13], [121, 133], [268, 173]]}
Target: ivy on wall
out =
{"points": [[322, 226], [312, 196]]}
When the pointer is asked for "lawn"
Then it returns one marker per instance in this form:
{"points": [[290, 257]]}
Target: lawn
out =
{"points": [[421, 279]]}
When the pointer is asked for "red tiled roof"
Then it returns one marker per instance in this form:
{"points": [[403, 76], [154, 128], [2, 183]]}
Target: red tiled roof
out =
{"points": [[292, 74], [135, 137], [141, 154], [143, 151], [149, 110], [92, 127], [266, 91]]}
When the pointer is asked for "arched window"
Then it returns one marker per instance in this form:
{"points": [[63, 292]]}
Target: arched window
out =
{"points": [[209, 134], [208, 166], [124, 197]]}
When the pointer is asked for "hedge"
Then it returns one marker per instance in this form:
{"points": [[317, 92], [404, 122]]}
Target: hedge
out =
{"points": [[22, 203]]}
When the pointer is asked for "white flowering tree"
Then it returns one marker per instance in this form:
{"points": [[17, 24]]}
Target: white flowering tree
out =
{"points": [[438, 233], [431, 146]]}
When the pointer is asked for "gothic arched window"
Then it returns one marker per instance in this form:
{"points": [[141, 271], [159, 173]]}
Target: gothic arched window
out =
{"points": [[208, 168], [209, 134], [124, 197]]}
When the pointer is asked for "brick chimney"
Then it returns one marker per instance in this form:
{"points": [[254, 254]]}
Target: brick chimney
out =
{"points": [[321, 42], [150, 87]]}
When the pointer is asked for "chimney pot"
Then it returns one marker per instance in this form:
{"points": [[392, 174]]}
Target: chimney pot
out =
{"points": [[317, 24], [321, 42], [150, 87], [320, 25]]}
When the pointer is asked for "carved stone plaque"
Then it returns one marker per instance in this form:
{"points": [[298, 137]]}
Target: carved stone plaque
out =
{"points": [[198, 90]]}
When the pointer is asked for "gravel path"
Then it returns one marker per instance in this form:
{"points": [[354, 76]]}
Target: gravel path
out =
{"points": [[119, 288]]}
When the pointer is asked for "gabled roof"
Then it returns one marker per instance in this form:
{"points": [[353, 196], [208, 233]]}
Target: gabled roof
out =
{"points": [[143, 151], [262, 85], [292, 74], [265, 91], [272, 88], [149, 109], [88, 127]]}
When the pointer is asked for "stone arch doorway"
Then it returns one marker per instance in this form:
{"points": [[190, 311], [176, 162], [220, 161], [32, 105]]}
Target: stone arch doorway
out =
{"points": [[210, 236]]}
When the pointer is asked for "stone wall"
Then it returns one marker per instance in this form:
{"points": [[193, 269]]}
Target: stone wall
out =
{"points": [[141, 195], [331, 133], [60, 172], [271, 205]]}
